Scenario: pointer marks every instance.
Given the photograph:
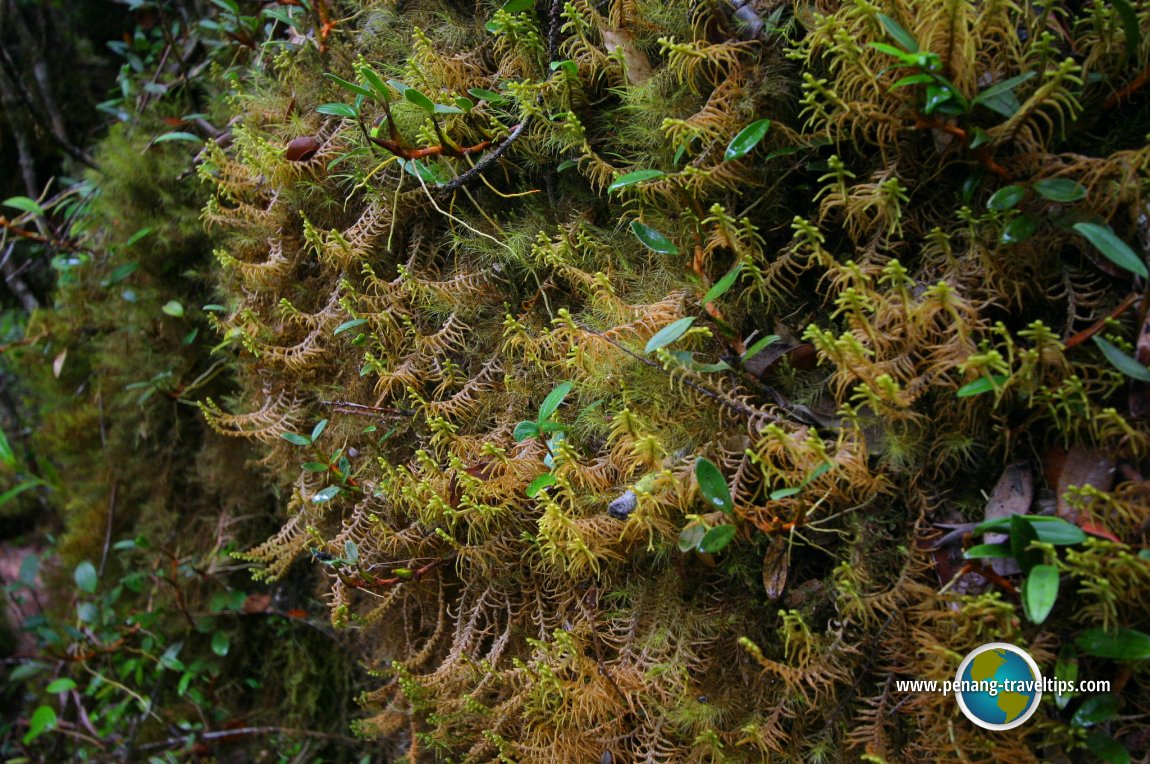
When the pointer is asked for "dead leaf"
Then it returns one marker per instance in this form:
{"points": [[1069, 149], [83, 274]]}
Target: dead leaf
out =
{"points": [[775, 568], [635, 61], [1083, 466], [257, 603], [58, 363], [1012, 495]]}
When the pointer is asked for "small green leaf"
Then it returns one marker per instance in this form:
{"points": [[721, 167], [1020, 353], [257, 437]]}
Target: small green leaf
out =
{"points": [[1039, 592], [909, 59], [783, 493], [713, 486], [60, 685], [357, 89], [669, 334], [525, 430], [539, 483], [24, 204], [338, 110], [983, 551], [420, 100], [318, 430], [553, 401], [1113, 248], [1123, 644], [375, 82], [914, 79], [652, 239], [349, 325], [173, 308], [1130, 27], [1000, 97], [1022, 534], [717, 539], [464, 103], [483, 94], [1050, 530], [1121, 361], [351, 552], [42, 720], [326, 494], [631, 178], [936, 96], [221, 643], [294, 439], [442, 108], [897, 33], [568, 66], [86, 578], [316, 467], [1020, 229], [6, 454], [1006, 198], [1060, 189], [1107, 748], [178, 136], [566, 164], [745, 142], [760, 345], [517, 6], [723, 285], [1095, 709], [981, 385], [690, 537], [26, 670]]}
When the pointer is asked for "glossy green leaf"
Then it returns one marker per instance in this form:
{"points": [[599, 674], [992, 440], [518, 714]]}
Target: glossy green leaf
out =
{"points": [[1051, 530], [338, 110], [1107, 748], [1123, 644], [42, 719], [760, 345], [745, 142], [554, 400], [723, 285], [936, 96], [1000, 97], [908, 59], [784, 493], [221, 643], [483, 94], [1020, 229], [351, 551], [1065, 670], [669, 334], [1060, 189], [357, 89], [568, 66], [465, 103], [63, 684], [326, 494], [316, 467], [1121, 361], [420, 100], [1039, 592], [652, 239], [525, 430], [1022, 535], [984, 551], [375, 82], [430, 173], [86, 578], [318, 430], [980, 386], [717, 539], [6, 454], [914, 79], [690, 537], [442, 108], [295, 439], [349, 325], [1113, 248], [897, 33], [1006, 198], [713, 486], [631, 178], [539, 483], [24, 204], [1095, 709], [178, 136], [1130, 27], [566, 164]]}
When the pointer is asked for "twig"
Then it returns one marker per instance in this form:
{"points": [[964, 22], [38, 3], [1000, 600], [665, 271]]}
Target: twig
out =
{"points": [[1100, 324], [245, 732], [108, 529], [359, 409], [13, 73], [488, 159]]}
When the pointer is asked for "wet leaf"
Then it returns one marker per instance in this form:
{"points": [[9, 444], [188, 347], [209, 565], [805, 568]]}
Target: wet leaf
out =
{"points": [[897, 33], [631, 178], [723, 285], [221, 643], [420, 100], [554, 400], [713, 486], [357, 89], [1123, 644], [1006, 198], [690, 537], [745, 142], [1050, 530], [338, 110], [295, 439], [539, 483], [1019, 229], [980, 385], [1095, 709], [525, 430], [1121, 361], [1060, 189], [652, 239], [1065, 670], [717, 539], [326, 494], [86, 578], [318, 430]]}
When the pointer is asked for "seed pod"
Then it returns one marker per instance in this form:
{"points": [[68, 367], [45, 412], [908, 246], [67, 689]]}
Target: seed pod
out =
{"points": [[301, 149]]}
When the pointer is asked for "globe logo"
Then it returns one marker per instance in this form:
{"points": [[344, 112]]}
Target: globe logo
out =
{"points": [[998, 686]]}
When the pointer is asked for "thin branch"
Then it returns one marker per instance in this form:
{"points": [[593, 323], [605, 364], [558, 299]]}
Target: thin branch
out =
{"points": [[488, 159], [12, 73]]}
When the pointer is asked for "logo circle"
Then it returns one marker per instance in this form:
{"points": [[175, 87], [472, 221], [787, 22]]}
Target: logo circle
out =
{"points": [[998, 686]]}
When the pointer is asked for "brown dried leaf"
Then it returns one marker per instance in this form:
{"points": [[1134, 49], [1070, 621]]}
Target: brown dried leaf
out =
{"points": [[1083, 466], [775, 568]]}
